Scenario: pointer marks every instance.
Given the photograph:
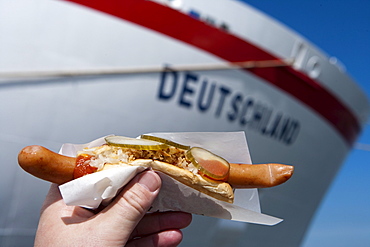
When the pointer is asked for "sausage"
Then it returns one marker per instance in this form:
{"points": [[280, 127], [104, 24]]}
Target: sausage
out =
{"points": [[50, 166], [259, 175], [46, 164]]}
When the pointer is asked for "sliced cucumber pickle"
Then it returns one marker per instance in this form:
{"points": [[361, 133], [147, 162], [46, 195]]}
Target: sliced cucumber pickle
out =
{"points": [[208, 163], [142, 144], [165, 141]]}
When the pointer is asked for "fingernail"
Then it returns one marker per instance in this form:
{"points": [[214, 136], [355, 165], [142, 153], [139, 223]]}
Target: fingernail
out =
{"points": [[150, 181]]}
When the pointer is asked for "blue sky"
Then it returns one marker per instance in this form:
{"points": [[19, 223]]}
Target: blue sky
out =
{"points": [[341, 28]]}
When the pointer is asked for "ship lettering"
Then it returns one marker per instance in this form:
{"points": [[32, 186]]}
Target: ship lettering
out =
{"points": [[194, 92]]}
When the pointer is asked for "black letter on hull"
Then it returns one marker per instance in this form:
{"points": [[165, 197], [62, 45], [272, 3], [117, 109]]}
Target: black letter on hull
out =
{"points": [[166, 93]]}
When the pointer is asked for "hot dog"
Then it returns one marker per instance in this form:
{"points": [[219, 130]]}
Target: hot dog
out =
{"points": [[46, 164], [60, 169], [258, 175]]}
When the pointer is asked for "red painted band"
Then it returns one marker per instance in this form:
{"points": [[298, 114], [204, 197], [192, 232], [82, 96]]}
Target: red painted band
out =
{"points": [[224, 45]]}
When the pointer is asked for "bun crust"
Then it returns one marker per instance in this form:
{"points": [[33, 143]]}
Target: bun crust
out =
{"points": [[216, 189]]}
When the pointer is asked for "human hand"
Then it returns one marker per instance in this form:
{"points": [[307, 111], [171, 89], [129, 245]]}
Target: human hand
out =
{"points": [[124, 222]]}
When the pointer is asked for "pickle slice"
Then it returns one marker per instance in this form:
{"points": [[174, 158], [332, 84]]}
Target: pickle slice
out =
{"points": [[165, 141], [142, 144], [208, 163]]}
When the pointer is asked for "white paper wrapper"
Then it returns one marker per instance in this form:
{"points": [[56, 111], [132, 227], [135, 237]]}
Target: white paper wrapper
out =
{"points": [[92, 190]]}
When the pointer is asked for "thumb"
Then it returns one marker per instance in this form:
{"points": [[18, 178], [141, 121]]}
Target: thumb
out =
{"points": [[132, 203]]}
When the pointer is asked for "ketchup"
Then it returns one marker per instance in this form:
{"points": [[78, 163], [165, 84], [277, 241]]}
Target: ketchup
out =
{"points": [[83, 167]]}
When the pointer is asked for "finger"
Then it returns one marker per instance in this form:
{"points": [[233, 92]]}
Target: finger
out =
{"points": [[52, 196], [157, 222], [170, 238], [54, 205], [133, 202]]}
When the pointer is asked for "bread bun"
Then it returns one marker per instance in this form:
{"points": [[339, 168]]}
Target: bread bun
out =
{"points": [[216, 189]]}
